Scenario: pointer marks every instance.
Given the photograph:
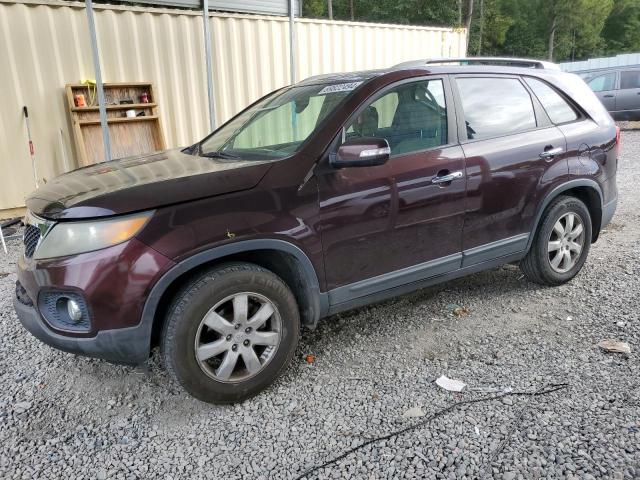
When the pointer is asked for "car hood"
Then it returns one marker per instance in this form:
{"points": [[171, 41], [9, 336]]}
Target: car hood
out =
{"points": [[142, 183]]}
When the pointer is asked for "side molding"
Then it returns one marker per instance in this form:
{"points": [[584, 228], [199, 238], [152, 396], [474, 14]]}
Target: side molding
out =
{"points": [[493, 250], [397, 278], [506, 250]]}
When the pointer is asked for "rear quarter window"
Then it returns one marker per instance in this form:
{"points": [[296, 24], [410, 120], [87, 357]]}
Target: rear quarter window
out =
{"points": [[630, 79], [557, 108], [495, 106]]}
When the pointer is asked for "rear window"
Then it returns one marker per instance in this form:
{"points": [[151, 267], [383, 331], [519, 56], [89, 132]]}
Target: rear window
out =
{"points": [[630, 79], [495, 106], [557, 108]]}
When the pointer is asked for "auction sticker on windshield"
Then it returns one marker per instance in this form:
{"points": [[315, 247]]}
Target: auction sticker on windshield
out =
{"points": [[340, 87]]}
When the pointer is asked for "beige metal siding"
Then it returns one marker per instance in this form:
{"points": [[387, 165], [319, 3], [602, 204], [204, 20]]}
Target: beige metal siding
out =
{"points": [[44, 46]]}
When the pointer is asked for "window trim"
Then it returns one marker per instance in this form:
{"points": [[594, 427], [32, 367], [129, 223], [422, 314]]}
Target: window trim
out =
{"points": [[540, 114], [452, 131], [580, 114]]}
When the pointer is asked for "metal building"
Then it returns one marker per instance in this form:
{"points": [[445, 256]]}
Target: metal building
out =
{"points": [[269, 7], [622, 60], [45, 44]]}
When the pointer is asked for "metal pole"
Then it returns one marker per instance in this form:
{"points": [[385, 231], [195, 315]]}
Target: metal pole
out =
{"points": [[208, 62], [96, 65], [292, 41]]}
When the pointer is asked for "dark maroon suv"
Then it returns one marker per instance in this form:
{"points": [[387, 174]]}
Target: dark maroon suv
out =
{"points": [[337, 192]]}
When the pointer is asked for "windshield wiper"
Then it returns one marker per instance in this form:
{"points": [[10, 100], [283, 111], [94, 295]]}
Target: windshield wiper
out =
{"points": [[219, 154], [191, 149]]}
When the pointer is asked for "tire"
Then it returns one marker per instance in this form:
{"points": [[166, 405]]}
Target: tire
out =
{"points": [[538, 264], [273, 341]]}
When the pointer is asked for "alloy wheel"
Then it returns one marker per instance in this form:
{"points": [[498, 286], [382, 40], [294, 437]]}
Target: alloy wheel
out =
{"points": [[238, 337], [566, 242]]}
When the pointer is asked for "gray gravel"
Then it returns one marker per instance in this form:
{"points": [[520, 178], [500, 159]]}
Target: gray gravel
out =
{"points": [[66, 416]]}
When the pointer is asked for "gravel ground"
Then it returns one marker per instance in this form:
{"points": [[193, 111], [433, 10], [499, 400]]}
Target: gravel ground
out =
{"points": [[72, 417]]}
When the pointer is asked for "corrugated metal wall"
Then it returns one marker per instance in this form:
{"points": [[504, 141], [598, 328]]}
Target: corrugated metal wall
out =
{"points": [[622, 60], [268, 7], [43, 47]]}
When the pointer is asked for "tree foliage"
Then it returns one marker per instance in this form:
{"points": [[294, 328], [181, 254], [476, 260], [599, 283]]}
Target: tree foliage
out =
{"points": [[558, 29]]}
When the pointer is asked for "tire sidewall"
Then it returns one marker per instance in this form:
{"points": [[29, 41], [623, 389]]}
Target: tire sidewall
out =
{"points": [[563, 206], [193, 304]]}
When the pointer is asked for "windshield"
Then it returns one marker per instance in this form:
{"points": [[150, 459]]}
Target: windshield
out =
{"points": [[276, 126]]}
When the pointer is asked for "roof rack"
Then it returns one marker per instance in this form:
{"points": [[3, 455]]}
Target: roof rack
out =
{"points": [[507, 62]]}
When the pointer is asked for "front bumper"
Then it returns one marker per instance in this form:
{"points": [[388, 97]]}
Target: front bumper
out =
{"points": [[114, 284], [128, 346]]}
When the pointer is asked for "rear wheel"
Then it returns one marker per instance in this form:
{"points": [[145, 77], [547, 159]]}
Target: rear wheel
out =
{"points": [[230, 332], [561, 244]]}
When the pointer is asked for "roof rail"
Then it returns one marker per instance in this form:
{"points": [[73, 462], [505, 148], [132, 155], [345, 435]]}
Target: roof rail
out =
{"points": [[508, 62]]}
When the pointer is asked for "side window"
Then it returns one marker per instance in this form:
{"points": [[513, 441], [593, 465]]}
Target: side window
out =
{"points": [[557, 108], [602, 83], [411, 117], [630, 79], [495, 106]]}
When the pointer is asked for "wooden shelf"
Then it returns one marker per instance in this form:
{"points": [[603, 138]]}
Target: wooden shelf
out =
{"points": [[129, 136], [118, 120], [123, 106]]}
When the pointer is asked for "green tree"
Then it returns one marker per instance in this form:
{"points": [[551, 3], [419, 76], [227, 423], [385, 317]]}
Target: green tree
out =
{"points": [[575, 27], [555, 29], [621, 30]]}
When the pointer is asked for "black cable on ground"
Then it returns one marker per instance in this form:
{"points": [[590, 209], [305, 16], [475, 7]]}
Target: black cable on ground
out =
{"points": [[543, 391], [10, 222]]}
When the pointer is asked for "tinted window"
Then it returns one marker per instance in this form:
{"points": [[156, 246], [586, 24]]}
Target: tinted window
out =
{"points": [[603, 83], [495, 106], [630, 79], [411, 116], [557, 108]]}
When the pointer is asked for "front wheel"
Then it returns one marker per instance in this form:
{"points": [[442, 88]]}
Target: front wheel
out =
{"points": [[561, 244], [230, 332]]}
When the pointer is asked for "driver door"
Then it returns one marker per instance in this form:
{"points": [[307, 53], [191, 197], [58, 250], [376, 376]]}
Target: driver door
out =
{"points": [[397, 222]]}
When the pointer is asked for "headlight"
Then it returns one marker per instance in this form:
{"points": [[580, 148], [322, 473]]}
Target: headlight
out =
{"points": [[71, 238]]}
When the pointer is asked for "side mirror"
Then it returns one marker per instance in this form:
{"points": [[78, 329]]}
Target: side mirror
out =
{"points": [[361, 152]]}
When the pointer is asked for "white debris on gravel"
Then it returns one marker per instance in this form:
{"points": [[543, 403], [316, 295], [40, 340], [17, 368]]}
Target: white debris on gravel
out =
{"points": [[63, 416], [450, 384], [615, 346], [414, 412]]}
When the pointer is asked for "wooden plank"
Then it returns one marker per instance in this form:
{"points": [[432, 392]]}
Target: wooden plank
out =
{"points": [[123, 106], [6, 213], [119, 120]]}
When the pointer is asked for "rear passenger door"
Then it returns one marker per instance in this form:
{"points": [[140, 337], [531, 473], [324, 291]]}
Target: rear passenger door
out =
{"points": [[514, 155], [628, 98]]}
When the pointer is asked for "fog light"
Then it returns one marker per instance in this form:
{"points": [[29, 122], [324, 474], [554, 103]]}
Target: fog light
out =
{"points": [[74, 311]]}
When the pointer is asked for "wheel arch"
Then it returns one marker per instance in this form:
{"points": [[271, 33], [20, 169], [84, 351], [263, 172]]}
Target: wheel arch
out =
{"points": [[281, 257], [584, 189]]}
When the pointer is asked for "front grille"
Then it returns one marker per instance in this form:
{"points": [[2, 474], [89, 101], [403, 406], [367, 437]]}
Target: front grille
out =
{"points": [[35, 229], [31, 239]]}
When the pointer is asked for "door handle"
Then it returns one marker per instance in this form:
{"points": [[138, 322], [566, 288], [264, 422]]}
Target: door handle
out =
{"points": [[552, 152], [611, 96], [446, 178]]}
